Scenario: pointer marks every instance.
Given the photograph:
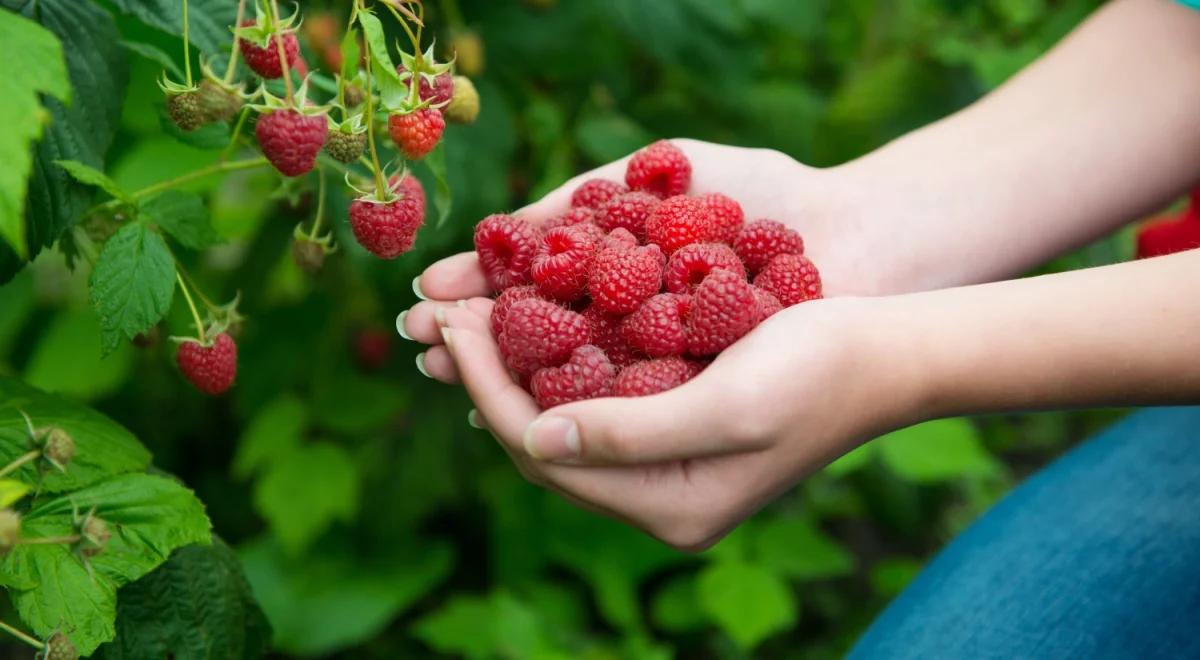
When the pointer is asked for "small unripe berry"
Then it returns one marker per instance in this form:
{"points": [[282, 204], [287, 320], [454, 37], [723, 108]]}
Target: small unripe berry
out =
{"points": [[10, 530], [464, 105]]}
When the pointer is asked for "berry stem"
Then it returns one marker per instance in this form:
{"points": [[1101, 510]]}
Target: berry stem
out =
{"points": [[283, 63], [24, 637], [50, 540], [187, 51], [195, 289], [312, 235], [233, 50], [20, 460], [192, 306], [415, 39], [249, 163], [380, 184], [233, 138]]}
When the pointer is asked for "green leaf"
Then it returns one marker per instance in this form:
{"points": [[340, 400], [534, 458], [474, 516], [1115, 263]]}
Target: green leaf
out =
{"points": [[857, 458], [102, 447], [132, 284], [443, 199], [305, 491], [937, 450], [11, 491], [890, 576], [796, 548], [196, 605], [209, 21], [273, 433], [461, 627], [67, 359], [605, 138], [148, 518], [748, 602], [183, 216], [351, 403], [674, 607], [154, 54], [392, 90], [90, 176], [350, 53], [33, 63]]}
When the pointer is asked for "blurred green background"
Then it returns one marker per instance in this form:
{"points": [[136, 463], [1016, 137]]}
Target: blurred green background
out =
{"points": [[372, 522]]}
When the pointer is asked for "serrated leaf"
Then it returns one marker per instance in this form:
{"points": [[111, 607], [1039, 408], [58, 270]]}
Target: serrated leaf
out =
{"points": [[182, 215], [148, 517], [443, 198], [392, 90], [798, 549], [209, 21], [746, 601], [154, 54], [937, 450], [132, 284], [90, 176], [305, 491], [34, 63], [274, 432], [350, 53], [197, 605], [11, 491], [102, 447]]}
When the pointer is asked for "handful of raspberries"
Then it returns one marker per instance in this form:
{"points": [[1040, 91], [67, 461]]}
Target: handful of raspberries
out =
{"points": [[634, 289]]}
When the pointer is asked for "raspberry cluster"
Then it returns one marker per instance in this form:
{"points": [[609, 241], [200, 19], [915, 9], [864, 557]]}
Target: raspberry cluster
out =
{"points": [[638, 286]]}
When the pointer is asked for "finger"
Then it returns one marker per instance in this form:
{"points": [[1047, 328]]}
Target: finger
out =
{"points": [[437, 364], [421, 322], [452, 278]]}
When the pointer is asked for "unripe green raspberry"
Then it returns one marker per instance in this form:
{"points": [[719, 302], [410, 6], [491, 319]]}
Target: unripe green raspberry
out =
{"points": [[186, 111], [59, 647], [95, 535], [464, 105], [58, 447], [346, 147], [10, 530], [218, 103]]}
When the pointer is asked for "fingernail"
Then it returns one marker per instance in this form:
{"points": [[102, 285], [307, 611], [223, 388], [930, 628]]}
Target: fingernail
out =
{"points": [[439, 315], [400, 325], [552, 438], [446, 338], [417, 288], [473, 420], [461, 303], [421, 365]]}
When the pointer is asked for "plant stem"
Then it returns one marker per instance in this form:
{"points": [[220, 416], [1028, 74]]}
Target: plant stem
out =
{"points": [[320, 203], [187, 277], [233, 139], [49, 540], [414, 38], [283, 63], [234, 51], [187, 51], [24, 637], [215, 168], [380, 189], [20, 460], [191, 306]]}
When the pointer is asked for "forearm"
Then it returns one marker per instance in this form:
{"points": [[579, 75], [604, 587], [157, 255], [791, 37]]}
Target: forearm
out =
{"points": [[1099, 131]]}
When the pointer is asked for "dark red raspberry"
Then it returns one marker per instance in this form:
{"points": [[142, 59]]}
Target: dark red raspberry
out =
{"points": [[725, 214], [575, 216], [440, 91], [372, 348], [409, 186], [587, 375], [418, 132], [538, 333], [688, 267], [212, 368], [630, 210], [620, 238], [723, 310], [762, 240], [386, 230], [506, 247], [623, 278], [291, 141], [768, 304], [1168, 236], [506, 300], [563, 262], [679, 221], [791, 278], [606, 334], [594, 192], [658, 327], [654, 376], [264, 60], [660, 169]]}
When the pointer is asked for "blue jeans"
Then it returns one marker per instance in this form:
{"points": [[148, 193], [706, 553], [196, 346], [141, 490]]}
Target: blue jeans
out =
{"points": [[1097, 556]]}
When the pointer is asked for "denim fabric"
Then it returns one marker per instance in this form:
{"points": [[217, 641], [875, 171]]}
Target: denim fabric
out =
{"points": [[1097, 557]]}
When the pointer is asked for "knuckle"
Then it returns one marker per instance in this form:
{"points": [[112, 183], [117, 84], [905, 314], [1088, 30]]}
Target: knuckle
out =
{"points": [[614, 444], [694, 529]]}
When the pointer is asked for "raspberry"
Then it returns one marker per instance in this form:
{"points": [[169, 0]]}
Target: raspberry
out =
{"points": [[464, 105], [629, 210], [658, 327], [679, 221], [791, 278], [660, 169], [538, 333], [210, 368], [587, 375], [386, 229], [768, 304], [594, 192], [564, 259], [186, 111], [409, 187], [346, 147], [723, 309], [606, 335], [725, 214], [264, 60], [1168, 236], [418, 132], [372, 348], [60, 647], [309, 254], [291, 141], [218, 101], [506, 247], [620, 238], [575, 216], [506, 300], [762, 240], [654, 376], [622, 278], [439, 92], [688, 267]]}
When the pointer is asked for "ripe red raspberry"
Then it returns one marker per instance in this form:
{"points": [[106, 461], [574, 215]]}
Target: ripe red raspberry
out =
{"points": [[587, 375], [659, 327], [211, 369], [679, 221], [506, 300], [630, 210], [291, 141], [768, 304], [762, 240], [723, 310], [386, 230], [654, 376], [538, 333], [440, 91], [577, 216], [726, 215], [594, 192], [1168, 236], [563, 261], [506, 247], [409, 187], [620, 238], [660, 169], [416, 133], [606, 335], [791, 278], [264, 60], [372, 348], [688, 267], [622, 278]]}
